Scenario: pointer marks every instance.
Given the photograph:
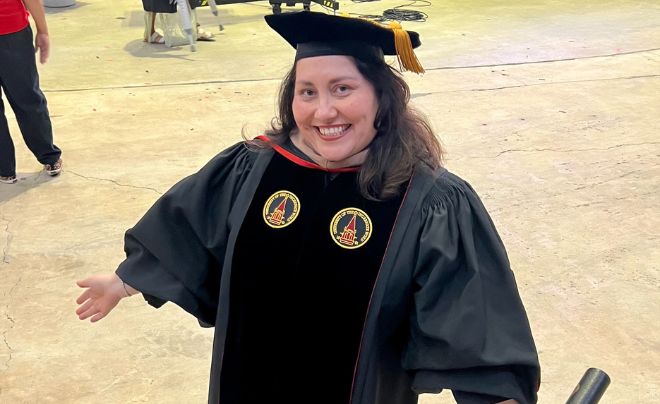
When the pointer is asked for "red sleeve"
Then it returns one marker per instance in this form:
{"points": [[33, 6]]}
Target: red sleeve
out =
{"points": [[13, 16]]}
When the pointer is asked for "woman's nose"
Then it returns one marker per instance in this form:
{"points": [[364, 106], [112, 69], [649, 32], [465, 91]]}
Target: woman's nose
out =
{"points": [[325, 109]]}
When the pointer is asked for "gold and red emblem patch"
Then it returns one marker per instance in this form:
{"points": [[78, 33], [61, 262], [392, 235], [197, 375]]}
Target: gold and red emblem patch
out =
{"points": [[281, 209], [351, 228]]}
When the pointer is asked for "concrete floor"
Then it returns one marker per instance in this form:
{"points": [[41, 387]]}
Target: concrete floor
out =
{"points": [[550, 111]]}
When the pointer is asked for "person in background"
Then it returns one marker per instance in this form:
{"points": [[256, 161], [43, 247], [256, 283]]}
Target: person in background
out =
{"points": [[154, 7], [338, 261], [19, 82]]}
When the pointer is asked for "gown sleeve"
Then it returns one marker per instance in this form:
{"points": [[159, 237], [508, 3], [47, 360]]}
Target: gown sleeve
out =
{"points": [[175, 252], [468, 331]]}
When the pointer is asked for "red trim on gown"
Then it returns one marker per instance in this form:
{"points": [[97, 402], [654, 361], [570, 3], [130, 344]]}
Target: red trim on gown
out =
{"points": [[302, 162]]}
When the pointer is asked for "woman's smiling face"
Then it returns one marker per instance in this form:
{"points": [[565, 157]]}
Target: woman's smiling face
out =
{"points": [[334, 108]]}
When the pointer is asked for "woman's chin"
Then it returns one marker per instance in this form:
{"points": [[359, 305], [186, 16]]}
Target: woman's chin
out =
{"points": [[334, 160], [329, 163], [332, 156]]}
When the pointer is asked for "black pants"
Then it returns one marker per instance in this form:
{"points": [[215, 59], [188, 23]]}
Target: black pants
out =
{"points": [[19, 81]]}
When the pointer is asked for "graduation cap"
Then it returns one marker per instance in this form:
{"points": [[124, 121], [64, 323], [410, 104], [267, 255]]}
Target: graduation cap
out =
{"points": [[318, 34]]}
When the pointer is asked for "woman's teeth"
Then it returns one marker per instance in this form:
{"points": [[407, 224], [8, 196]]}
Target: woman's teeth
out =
{"points": [[333, 131]]}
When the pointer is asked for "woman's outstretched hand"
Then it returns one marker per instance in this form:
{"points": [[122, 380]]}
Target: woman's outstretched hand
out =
{"points": [[101, 295]]}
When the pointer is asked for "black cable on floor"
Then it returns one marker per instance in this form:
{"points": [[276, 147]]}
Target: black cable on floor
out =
{"points": [[402, 14], [397, 13]]}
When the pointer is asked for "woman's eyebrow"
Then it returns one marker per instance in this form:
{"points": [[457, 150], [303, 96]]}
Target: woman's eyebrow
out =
{"points": [[344, 78], [332, 81]]}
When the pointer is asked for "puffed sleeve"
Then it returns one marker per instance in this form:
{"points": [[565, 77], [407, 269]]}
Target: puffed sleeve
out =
{"points": [[175, 252], [468, 331]]}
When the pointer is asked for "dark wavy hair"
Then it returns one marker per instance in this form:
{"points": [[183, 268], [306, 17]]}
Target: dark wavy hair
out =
{"points": [[404, 138]]}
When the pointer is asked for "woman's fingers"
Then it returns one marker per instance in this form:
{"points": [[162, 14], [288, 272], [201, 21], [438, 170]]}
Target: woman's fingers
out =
{"points": [[97, 317], [83, 308], [83, 283], [88, 313], [83, 296]]}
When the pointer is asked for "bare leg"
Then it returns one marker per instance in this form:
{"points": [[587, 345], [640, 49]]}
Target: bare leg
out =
{"points": [[150, 34], [153, 23]]}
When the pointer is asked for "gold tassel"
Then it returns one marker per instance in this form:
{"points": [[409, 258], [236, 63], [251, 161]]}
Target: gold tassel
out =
{"points": [[404, 50]]}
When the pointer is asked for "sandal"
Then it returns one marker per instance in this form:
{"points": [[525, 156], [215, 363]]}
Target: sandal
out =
{"points": [[204, 36], [156, 38]]}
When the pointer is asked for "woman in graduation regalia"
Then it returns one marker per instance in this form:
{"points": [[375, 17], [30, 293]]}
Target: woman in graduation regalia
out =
{"points": [[334, 256]]}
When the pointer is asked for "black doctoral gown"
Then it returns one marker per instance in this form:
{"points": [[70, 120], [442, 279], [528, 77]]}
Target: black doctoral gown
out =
{"points": [[444, 312]]}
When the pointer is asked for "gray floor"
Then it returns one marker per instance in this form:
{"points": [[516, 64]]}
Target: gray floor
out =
{"points": [[550, 111]]}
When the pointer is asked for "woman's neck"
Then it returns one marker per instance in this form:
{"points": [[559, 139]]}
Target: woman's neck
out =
{"points": [[352, 161]]}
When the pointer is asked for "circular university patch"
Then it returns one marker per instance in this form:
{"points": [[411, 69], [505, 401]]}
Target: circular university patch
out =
{"points": [[350, 228], [281, 209]]}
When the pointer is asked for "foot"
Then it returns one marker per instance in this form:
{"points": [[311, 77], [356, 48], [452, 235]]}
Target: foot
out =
{"points": [[156, 38], [54, 169], [8, 180], [204, 36]]}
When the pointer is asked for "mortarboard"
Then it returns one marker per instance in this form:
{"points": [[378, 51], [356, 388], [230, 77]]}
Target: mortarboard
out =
{"points": [[318, 34]]}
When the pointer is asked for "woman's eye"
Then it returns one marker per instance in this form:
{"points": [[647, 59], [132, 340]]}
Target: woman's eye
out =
{"points": [[307, 92], [342, 89]]}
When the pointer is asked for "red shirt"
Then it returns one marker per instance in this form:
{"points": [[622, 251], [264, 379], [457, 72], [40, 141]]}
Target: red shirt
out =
{"points": [[13, 16]]}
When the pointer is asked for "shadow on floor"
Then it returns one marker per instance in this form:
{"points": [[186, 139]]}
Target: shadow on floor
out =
{"points": [[57, 10], [141, 49], [26, 181]]}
